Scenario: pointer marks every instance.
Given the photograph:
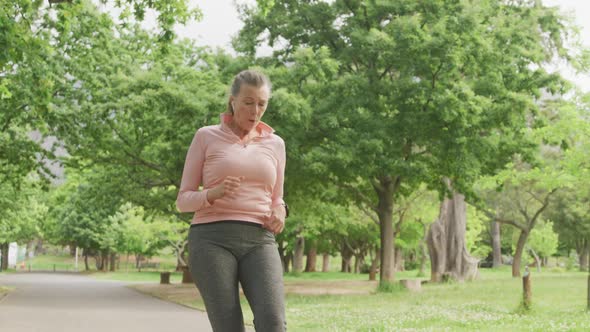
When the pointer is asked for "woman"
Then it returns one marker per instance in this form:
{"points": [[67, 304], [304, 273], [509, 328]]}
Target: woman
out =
{"points": [[240, 209]]}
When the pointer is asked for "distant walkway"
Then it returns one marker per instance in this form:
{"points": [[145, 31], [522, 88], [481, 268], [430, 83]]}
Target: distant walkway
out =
{"points": [[69, 302]]}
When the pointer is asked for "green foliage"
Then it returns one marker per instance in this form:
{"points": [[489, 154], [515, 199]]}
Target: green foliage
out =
{"points": [[37, 44], [398, 75], [80, 210], [20, 211], [476, 229], [543, 240], [523, 191], [134, 232], [407, 93], [571, 261]]}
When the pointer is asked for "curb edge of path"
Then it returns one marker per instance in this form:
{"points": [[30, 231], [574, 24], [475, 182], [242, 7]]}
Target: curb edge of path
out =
{"points": [[5, 295], [249, 327], [159, 298]]}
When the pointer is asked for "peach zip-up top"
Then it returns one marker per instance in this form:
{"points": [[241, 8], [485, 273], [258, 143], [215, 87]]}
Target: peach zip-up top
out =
{"points": [[216, 152]]}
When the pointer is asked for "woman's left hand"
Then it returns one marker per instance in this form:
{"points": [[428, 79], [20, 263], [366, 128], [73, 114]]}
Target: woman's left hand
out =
{"points": [[276, 221]]}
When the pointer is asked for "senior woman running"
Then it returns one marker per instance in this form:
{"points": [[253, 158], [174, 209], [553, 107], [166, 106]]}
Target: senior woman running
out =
{"points": [[240, 164]]}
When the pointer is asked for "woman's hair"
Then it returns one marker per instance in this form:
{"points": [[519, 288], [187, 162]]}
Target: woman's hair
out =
{"points": [[248, 77]]}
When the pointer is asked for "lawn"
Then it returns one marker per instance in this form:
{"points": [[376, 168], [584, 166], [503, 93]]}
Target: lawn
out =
{"points": [[488, 304]]}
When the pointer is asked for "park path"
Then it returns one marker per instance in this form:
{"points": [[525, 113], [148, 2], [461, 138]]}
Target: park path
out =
{"points": [[51, 302]]}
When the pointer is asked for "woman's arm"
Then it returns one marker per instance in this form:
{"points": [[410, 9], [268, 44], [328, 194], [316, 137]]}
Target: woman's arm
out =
{"points": [[190, 198]]}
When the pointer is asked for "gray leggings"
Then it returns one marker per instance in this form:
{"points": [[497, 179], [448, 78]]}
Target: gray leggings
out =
{"points": [[223, 253]]}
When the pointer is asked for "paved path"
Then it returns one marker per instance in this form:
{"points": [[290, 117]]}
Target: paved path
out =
{"points": [[69, 302]]}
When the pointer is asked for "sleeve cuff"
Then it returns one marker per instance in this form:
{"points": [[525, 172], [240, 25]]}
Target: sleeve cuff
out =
{"points": [[206, 204]]}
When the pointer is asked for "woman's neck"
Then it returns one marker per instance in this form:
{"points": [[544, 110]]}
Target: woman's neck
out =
{"points": [[241, 133]]}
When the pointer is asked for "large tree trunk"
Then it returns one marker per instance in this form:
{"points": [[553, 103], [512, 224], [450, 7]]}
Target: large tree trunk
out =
{"points": [[326, 263], [496, 245], [518, 253], [288, 260], [583, 254], [385, 190], [113, 265], [446, 243], [86, 266], [312, 255], [4, 248], [39, 250], [298, 257], [359, 260], [346, 255], [104, 261], [138, 262], [181, 256]]}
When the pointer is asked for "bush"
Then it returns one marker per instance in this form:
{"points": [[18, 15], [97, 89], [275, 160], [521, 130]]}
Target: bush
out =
{"points": [[365, 268]]}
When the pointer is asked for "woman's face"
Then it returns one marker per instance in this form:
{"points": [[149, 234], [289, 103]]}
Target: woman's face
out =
{"points": [[249, 106]]}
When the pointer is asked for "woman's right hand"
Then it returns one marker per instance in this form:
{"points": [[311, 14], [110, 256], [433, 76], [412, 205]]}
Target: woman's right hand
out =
{"points": [[227, 187]]}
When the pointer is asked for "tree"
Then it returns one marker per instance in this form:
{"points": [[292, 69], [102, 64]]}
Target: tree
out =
{"points": [[420, 91], [520, 194], [569, 210], [20, 212], [32, 75], [571, 219], [138, 234], [80, 209]]}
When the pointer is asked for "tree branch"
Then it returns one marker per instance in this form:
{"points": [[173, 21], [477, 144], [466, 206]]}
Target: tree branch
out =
{"points": [[132, 155], [368, 213], [543, 207], [385, 72], [497, 218], [530, 192], [359, 195]]}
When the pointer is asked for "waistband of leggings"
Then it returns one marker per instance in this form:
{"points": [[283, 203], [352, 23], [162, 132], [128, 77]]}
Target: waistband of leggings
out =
{"points": [[225, 222]]}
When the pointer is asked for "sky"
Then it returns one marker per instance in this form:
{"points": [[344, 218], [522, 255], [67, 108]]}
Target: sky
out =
{"points": [[220, 23]]}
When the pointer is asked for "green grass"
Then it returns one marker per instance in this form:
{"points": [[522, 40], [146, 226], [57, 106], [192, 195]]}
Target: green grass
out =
{"points": [[488, 304]]}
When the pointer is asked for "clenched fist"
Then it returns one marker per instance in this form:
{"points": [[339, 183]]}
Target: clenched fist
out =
{"points": [[227, 187]]}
